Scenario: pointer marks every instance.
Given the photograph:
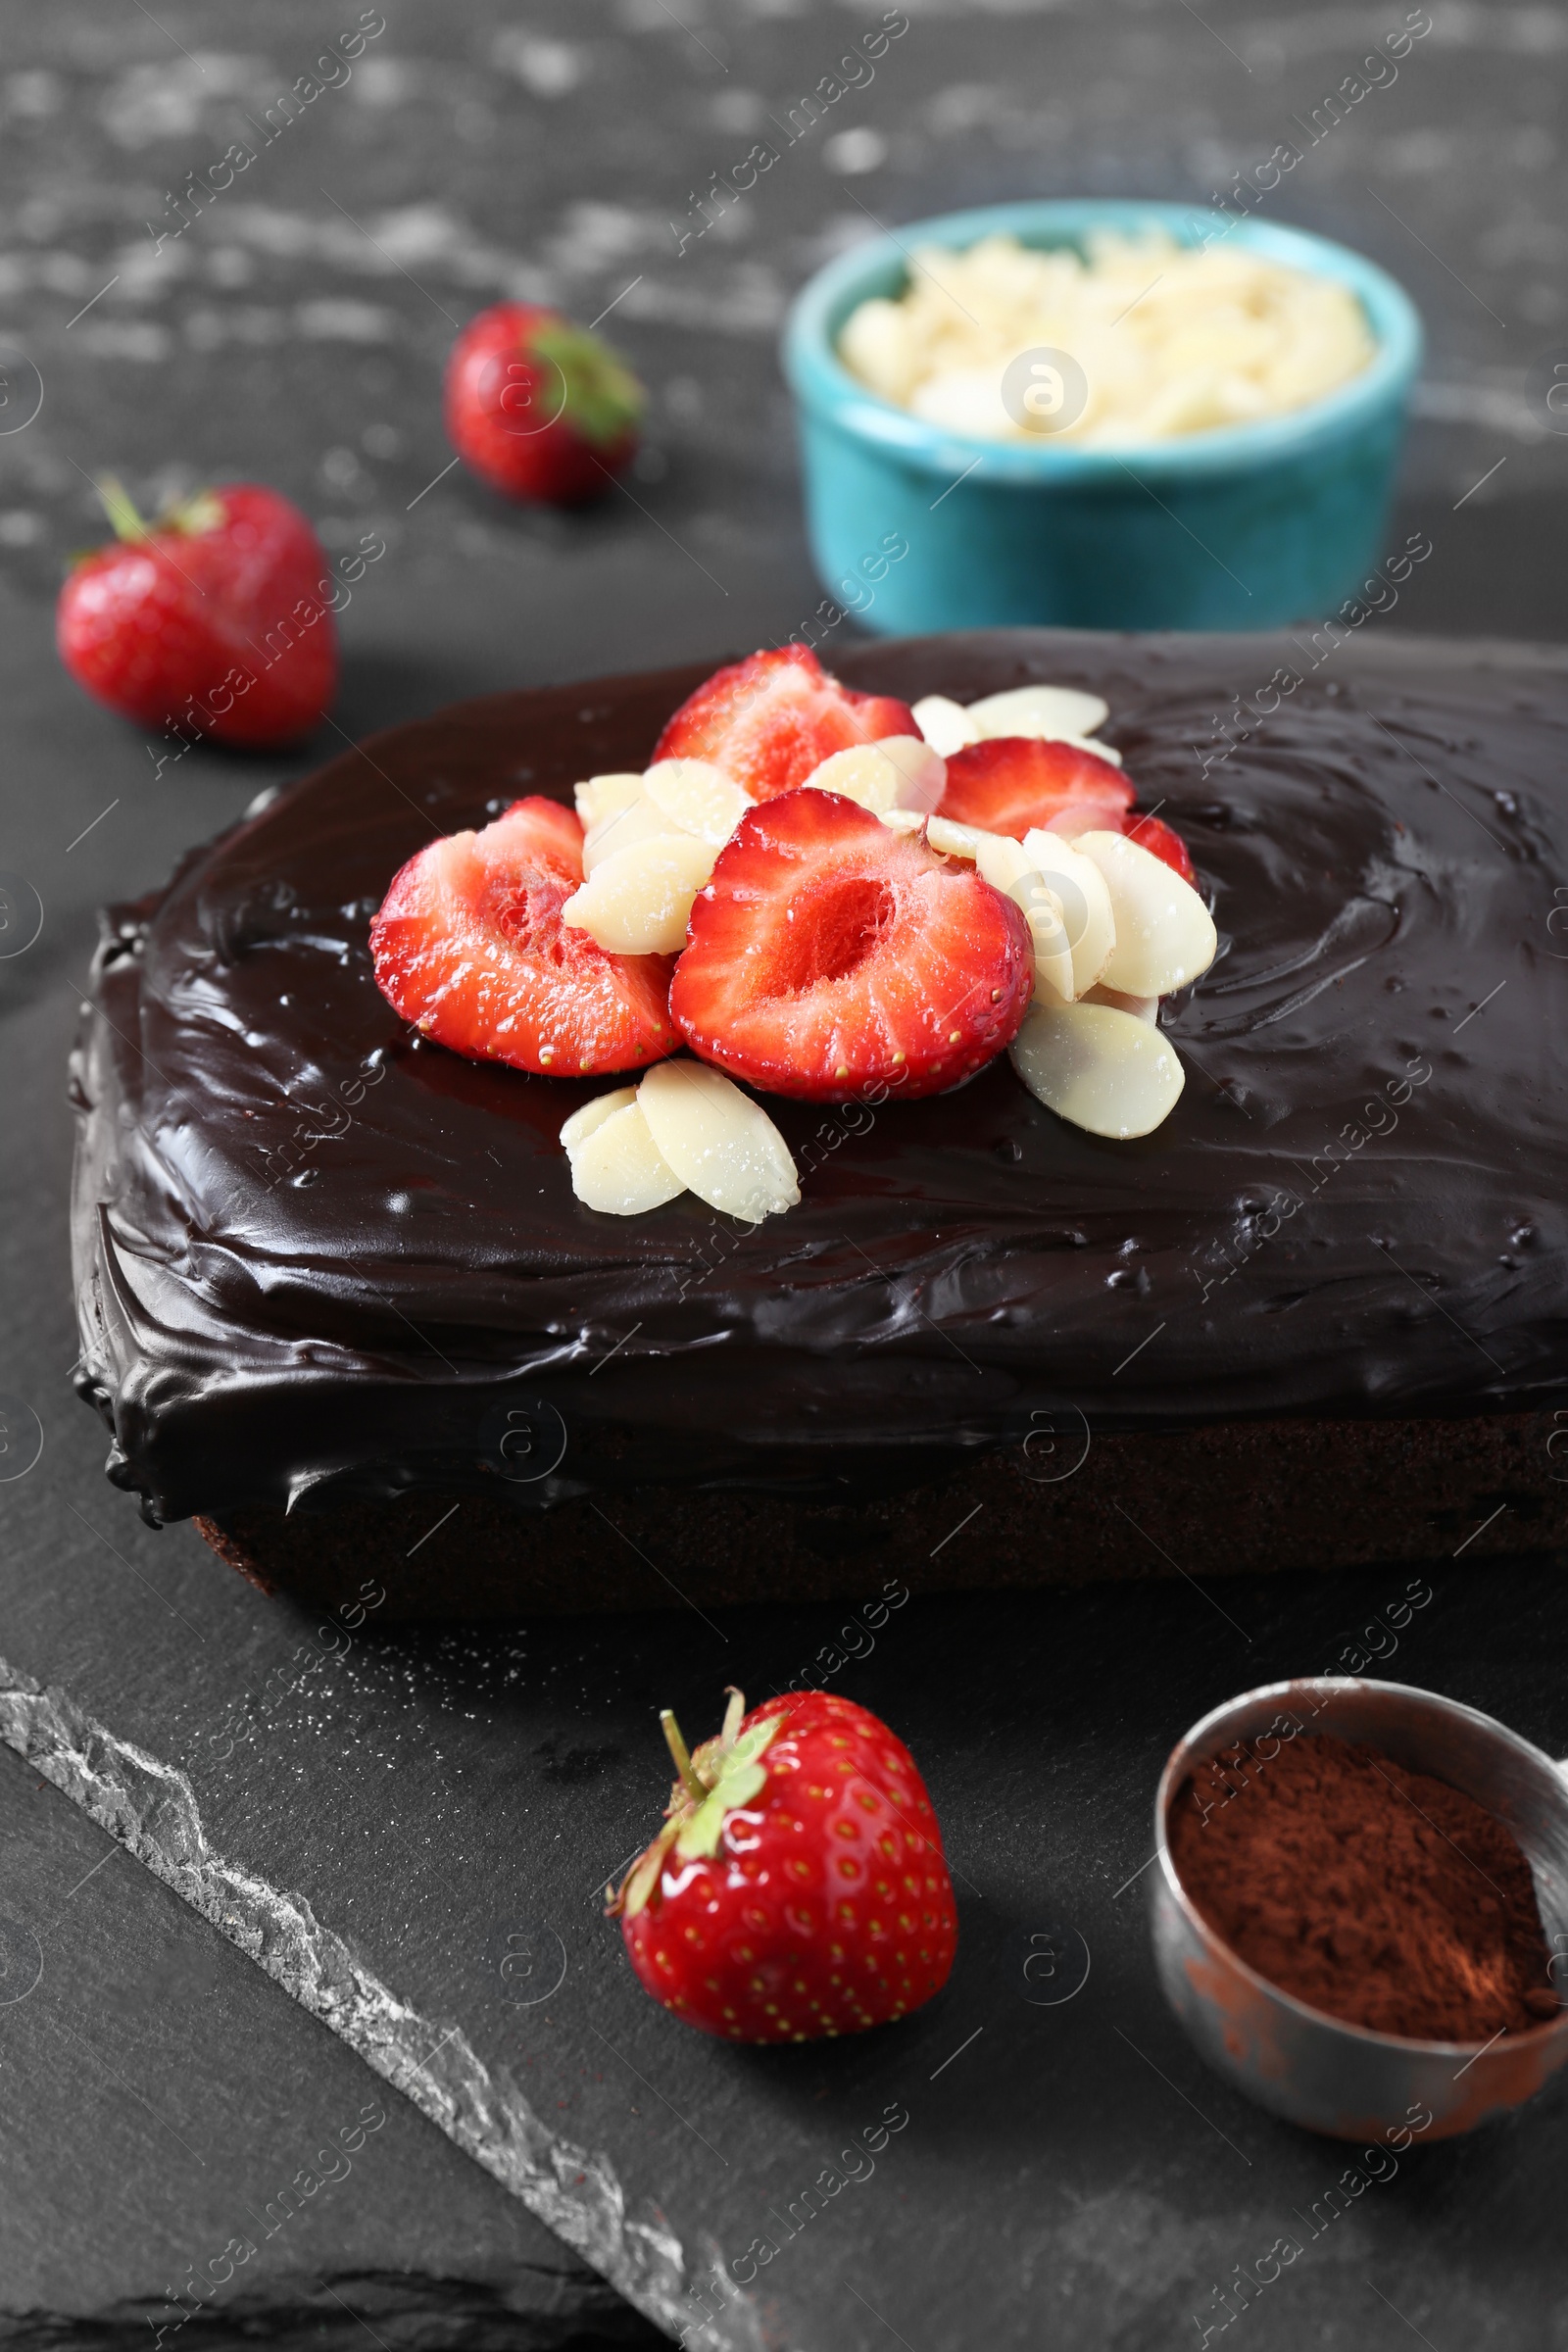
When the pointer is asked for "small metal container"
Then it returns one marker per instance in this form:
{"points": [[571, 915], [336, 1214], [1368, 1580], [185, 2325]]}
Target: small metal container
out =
{"points": [[1312, 2069]]}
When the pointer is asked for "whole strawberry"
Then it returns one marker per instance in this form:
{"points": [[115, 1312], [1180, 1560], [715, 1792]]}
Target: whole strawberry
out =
{"points": [[216, 618], [797, 1887], [538, 407]]}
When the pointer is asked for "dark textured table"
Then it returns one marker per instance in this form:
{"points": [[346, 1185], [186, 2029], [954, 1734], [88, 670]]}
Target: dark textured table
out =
{"points": [[380, 1829]]}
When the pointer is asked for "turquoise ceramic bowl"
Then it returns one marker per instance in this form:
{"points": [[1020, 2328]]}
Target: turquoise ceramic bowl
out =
{"points": [[1241, 528]]}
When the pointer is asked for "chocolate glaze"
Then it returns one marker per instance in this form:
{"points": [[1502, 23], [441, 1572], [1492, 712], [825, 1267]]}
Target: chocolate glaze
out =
{"points": [[317, 1258]]}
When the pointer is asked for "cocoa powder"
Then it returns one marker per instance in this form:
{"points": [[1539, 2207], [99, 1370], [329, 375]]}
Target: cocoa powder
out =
{"points": [[1378, 1894]]}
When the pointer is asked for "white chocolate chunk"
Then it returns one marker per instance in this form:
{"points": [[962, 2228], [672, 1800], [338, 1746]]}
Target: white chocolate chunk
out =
{"points": [[638, 821], [1097, 1067], [898, 771], [619, 1169], [582, 1123], [946, 726], [605, 797], [719, 1142], [1051, 714], [639, 900], [1143, 1008], [1165, 935], [697, 797], [1086, 903]]}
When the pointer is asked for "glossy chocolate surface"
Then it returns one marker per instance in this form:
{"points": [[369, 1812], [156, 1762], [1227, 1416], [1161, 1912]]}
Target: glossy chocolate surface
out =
{"points": [[316, 1257]]}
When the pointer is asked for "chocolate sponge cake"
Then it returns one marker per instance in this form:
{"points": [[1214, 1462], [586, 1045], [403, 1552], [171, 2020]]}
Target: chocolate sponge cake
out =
{"points": [[339, 1302]]}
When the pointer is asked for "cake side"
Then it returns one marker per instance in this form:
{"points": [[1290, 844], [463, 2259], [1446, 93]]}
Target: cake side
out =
{"points": [[1232, 1497]]}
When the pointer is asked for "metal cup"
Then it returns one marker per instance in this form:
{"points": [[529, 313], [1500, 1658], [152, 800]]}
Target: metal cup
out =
{"points": [[1316, 2070]]}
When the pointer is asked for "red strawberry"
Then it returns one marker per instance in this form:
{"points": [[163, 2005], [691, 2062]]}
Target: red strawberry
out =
{"points": [[214, 618], [770, 720], [1011, 783], [469, 946], [538, 407], [1155, 836], [807, 1893], [828, 954]]}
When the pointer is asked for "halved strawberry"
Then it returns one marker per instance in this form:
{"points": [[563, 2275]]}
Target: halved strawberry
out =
{"points": [[829, 955], [1155, 836], [769, 720], [469, 946], [1009, 783]]}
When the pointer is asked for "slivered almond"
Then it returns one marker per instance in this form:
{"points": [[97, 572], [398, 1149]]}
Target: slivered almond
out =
{"points": [[604, 796], [638, 900], [1143, 1008], [637, 820], [1085, 900], [946, 726], [618, 1167], [944, 834], [898, 771], [1165, 935], [718, 1142], [1100, 1069], [1051, 714], [582, 1123], [697, 797]]}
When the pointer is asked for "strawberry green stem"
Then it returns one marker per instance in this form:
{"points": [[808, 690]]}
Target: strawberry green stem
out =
{"points": [[127, 523], [682, 1754], [204, 511]]}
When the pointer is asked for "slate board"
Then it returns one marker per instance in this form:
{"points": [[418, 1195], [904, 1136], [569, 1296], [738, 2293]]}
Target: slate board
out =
{"points": [[1067, 2169]]}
